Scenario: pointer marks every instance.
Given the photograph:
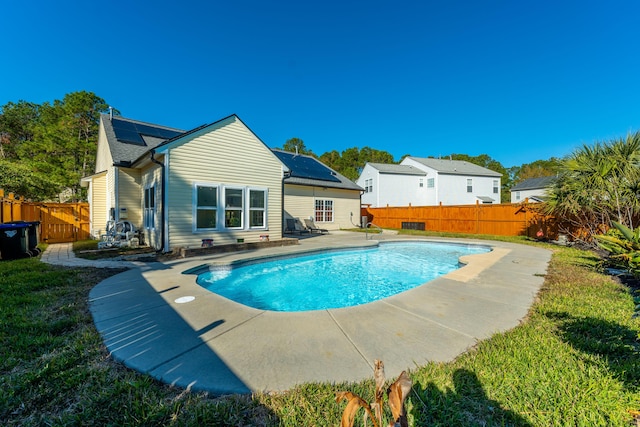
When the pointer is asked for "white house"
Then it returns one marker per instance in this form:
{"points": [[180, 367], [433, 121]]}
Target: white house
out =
{"points": [[423, 181], [393, 185], [532, 189]]}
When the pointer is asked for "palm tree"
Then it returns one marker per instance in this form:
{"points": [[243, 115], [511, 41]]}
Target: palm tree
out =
{"points": [[597, 185]]}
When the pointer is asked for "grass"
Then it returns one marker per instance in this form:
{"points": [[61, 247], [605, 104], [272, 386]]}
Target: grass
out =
{"points": [[574, 361]]}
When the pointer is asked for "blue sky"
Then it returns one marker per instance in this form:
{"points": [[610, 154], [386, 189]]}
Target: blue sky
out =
{"points": [[517, 80]]}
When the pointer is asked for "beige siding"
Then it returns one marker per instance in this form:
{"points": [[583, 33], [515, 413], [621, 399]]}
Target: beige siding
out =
{"points": [[99, 212], [102, 187], [299, 202], [229, 154], [130, 196], [111, 187], [103, 155]]}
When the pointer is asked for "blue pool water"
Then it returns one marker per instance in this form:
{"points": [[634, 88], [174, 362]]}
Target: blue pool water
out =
{"points": [[335, 279]]}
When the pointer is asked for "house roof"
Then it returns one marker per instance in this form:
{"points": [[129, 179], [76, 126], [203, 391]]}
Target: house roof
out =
{"points": [[307, 170], [455, 167], [397, 169], [129, 139], [534, 183]]}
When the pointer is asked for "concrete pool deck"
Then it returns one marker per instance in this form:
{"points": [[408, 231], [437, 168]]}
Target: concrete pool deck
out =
{"points": [[155, 319]]}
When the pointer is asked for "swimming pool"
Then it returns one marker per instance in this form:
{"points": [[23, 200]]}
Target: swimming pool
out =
{"points": [[335, 279]]}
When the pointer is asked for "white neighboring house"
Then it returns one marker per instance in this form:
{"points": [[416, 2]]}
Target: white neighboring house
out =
{"points": [[533, 189], [423, 181], [381, 182]]}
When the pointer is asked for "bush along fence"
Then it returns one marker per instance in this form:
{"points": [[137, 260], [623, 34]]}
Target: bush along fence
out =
{"points": [[59, 222], [509, 219]]}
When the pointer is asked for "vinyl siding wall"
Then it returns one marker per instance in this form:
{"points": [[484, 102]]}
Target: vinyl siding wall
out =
{"points": [[401, 190], [98, 203], [111, 189], [524, 194], [299, 202], [230, 155], [372, 198], [453, 189], [130, 194], [103, 155], [394, 189]]}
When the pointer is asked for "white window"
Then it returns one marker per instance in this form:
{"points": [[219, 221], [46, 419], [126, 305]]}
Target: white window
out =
{"points": [[218, 207], [431, 182], [233, 208], [469, 185], [257, 208], [368, 185], [517, 195], [496, 186], [324, 210], [206, 207], [421, 184], [149, 213]]}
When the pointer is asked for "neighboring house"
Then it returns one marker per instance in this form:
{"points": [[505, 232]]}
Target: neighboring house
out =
{"points": [[218, 181], [533, 189], [423, 181], [313, 190], [393, 185]]}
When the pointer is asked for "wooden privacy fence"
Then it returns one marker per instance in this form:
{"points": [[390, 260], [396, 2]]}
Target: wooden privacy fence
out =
{"points": [[59, 222], [509, 219]]}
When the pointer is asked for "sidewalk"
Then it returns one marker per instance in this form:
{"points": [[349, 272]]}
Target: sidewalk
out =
{"points": [[159, 321], [62, 254]]}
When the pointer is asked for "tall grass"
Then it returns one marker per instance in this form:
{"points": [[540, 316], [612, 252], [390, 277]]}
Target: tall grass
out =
{"points": [[574, 361]]}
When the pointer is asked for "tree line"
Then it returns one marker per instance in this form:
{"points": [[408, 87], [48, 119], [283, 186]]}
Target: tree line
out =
{"points": [[45, 149]]}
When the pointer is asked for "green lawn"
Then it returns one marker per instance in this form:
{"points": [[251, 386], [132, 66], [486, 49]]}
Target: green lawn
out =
{"points": [[574, 361]]}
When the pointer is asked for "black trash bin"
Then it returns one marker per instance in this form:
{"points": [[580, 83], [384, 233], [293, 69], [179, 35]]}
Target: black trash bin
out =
{"points": [[14, 240], [32, 235]]}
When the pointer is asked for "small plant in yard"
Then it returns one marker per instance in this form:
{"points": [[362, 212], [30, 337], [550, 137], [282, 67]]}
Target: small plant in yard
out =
{"points": [[623, 245], [396, 395]]}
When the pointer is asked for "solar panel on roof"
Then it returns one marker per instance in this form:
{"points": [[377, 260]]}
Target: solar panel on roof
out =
{"points": [[131, 133], [306, 167]]}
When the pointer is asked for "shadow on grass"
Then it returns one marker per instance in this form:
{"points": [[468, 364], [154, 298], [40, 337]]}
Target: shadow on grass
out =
{"points": [[466, 405], [616, 344]]}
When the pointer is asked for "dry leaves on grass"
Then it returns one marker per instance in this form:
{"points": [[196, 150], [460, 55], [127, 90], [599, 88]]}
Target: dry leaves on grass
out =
{"points": [[396, 395]]}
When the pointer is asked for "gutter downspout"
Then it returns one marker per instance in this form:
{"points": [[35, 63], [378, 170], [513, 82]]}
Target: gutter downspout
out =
{"points": [[116, 195], [162, 197], [285, 175]]}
